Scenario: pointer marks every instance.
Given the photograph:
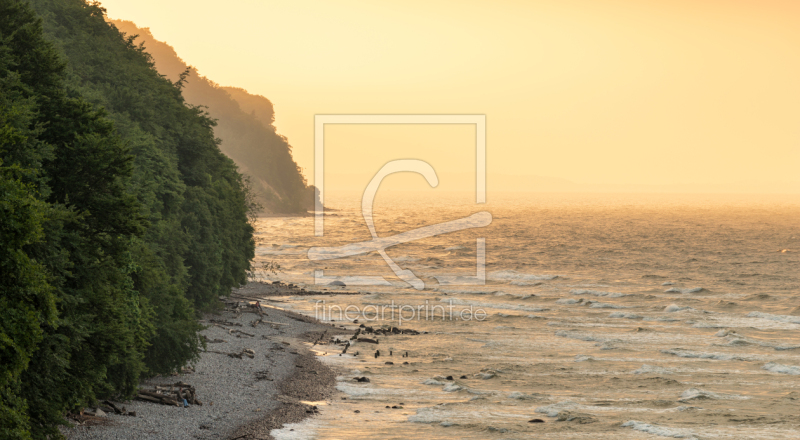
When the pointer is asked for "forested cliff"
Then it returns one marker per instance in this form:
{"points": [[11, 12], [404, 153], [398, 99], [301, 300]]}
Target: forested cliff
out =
{"points": [[245, 125], [120, 218]]}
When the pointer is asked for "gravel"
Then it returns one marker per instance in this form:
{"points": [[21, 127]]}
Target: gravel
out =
{"points": [[234, 400]]}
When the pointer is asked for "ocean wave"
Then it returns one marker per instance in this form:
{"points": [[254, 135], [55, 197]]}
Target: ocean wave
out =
{"points": [[583, 337], [779, 318], [596, 293], [675, 308], [599, 305], [783, 369], [698, 394], [652, 369], [463, 302], [659, 430], [736, 340], [567, 301], [624, 315], [470, 292], [527, 283], [452, 387], [661, 318], [702, 355], [535, 316], [516, 395], [554, 409], [688, 290], [707, 325], [512, 275]]}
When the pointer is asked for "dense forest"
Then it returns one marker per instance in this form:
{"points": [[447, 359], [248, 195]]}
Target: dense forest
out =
{"points": [[245, 125], [120, 218]]}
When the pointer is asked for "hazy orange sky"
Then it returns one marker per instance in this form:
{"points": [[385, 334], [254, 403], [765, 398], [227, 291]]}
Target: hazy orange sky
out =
{"points": [[620, 92]]}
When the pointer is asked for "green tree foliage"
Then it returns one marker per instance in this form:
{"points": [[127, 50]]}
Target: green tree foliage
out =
{"points": [[26, 299], [120, 218]]}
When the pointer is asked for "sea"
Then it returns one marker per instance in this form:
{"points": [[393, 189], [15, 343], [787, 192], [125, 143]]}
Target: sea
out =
{"points": [[624, 316]]}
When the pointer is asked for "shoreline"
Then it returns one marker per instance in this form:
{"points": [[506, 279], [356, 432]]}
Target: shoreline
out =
{"points": [[242, 397]]}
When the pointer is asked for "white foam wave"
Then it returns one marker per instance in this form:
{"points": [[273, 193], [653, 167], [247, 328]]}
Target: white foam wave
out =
{"points": [[702, 355], [512, 275], [624, 315], [554, 409], [583, 337], [688, 290], [521, 396], [779, 318], [599, 305], [596, 293], [499, 306], [652, 369], [675, 308], [452, 387], [527, 283], [658, 430], [735, 340], [698, 394], [305, 430], [783, 369]]}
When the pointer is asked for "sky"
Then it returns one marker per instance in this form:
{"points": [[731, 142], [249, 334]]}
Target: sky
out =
{"points": [[693, 95]]}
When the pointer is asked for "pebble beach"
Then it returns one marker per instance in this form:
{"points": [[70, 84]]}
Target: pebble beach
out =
{"points": [[242, 398]]}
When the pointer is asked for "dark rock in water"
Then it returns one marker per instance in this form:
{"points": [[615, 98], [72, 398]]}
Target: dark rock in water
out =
{"points": [[361, 379], [397, 407], [389, 363], [463, 377], [337, 283], [356, 411], [536, 421], [450, 378], [405, 363]]}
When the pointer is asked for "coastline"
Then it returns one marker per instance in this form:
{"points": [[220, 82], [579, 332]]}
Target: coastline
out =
{"points": [[242, 398]]}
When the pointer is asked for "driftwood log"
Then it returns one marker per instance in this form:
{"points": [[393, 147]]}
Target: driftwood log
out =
{"points": [[174, 395]]}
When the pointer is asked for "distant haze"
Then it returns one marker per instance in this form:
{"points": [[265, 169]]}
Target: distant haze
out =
{"points": [[580, 95]]}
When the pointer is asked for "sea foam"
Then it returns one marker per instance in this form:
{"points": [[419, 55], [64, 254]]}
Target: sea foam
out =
{"points": [[780, 318], [596, 293], [783, 369], [658, 430], [689, 290], [512, 275]]}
